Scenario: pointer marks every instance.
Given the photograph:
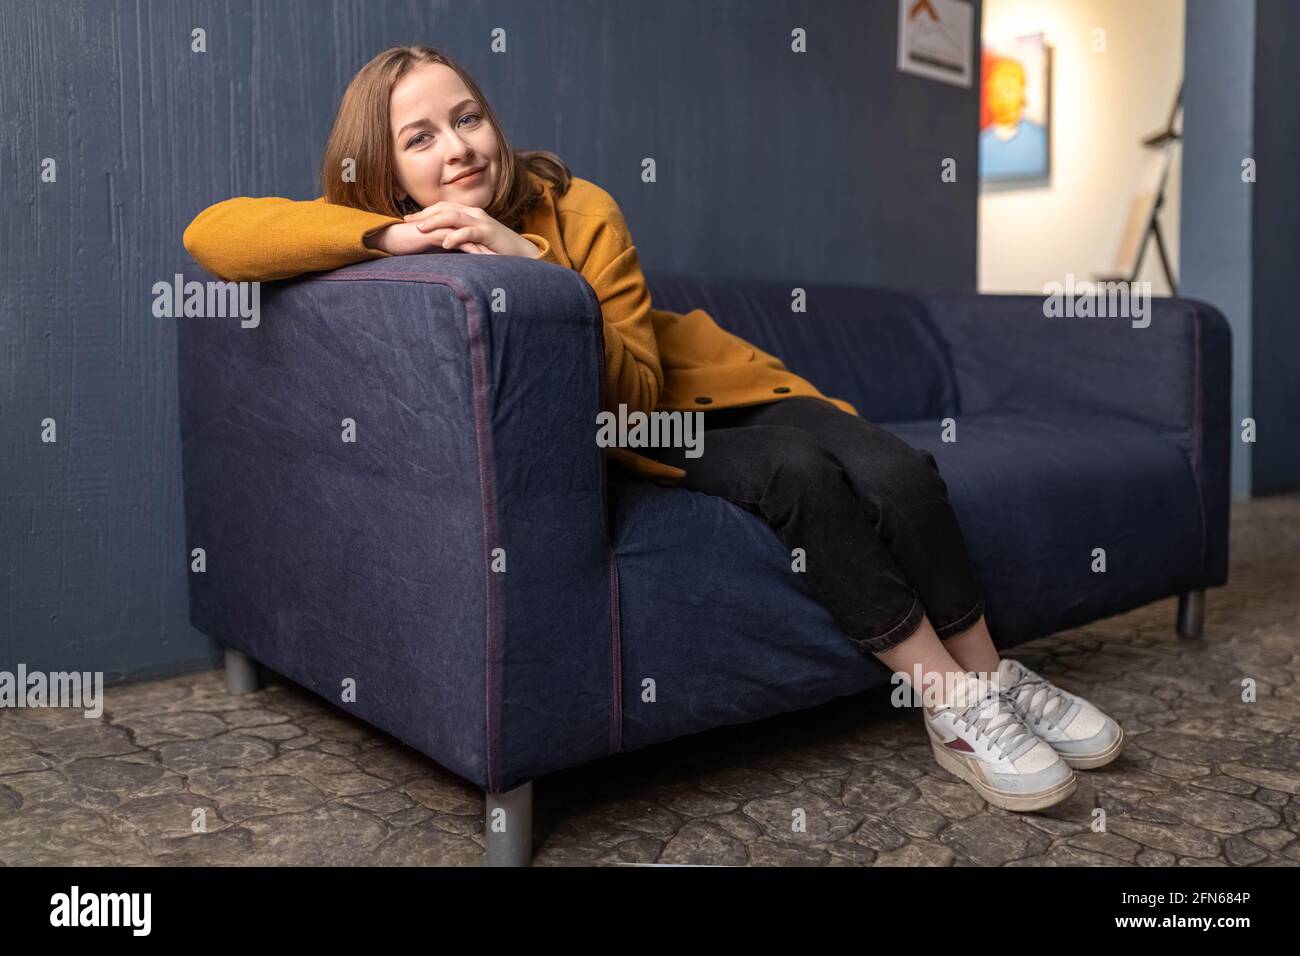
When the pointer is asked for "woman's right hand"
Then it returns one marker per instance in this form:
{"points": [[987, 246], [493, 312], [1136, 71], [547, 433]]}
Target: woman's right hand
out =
{"points": [[405, 239]]}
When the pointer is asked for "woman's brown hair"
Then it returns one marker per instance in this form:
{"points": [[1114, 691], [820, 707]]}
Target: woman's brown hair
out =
{"points": [[362, 133]]}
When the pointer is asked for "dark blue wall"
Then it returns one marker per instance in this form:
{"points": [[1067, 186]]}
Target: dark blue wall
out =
{"points": [[815, 166], [1275, 343], [1240, 244], [1215, 215]]}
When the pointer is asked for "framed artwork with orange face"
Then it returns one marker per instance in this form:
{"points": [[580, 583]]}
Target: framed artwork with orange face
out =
{"points": [[1015, 111]]}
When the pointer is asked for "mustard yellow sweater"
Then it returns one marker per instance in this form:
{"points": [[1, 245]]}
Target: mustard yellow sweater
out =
{"points": [[653, 359]]}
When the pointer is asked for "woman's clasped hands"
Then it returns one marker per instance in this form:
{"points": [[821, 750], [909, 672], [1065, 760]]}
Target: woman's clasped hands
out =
{"points": [[448, 225]]}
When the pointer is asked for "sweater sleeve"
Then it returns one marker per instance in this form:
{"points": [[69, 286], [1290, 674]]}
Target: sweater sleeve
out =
{"points": [[544, 247], [633, 375], [259, 239]]}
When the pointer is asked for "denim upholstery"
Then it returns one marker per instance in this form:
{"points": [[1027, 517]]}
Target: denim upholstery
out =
{"points": [[372, 560]]}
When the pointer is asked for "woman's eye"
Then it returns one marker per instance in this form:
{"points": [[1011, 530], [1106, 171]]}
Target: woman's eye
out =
{"points": [[416, 139]]}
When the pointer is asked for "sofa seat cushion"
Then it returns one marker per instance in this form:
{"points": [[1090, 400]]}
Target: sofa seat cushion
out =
{"points": [[1036, 495], [712, 613]]}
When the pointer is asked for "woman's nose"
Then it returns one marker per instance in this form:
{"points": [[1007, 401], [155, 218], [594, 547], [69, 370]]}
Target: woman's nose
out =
{"points": [[457, 147]]}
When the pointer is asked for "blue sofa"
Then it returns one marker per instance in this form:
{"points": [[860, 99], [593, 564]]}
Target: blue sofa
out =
{"points": [[620, 612]]}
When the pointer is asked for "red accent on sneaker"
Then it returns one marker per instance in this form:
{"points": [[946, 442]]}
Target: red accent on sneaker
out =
{"points": [[958, 744]]}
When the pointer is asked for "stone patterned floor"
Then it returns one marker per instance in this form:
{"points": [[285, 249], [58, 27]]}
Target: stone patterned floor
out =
{"points": [[284, 778]]}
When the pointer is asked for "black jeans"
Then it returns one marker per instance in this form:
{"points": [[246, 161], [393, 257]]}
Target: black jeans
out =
{"points": [[871, 513]]}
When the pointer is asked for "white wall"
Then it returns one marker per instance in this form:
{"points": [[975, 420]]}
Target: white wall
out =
{"points": [[1102, 105]]}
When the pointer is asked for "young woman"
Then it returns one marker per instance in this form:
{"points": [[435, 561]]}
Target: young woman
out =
{"points": [[416, 162]]}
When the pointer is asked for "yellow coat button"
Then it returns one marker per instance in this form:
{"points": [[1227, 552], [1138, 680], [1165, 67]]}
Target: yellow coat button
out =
{"points": [[781, 389], [703, 400]]}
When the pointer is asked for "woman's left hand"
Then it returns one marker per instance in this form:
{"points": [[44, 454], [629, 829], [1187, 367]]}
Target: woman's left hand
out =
{"points": [[472, 228]]}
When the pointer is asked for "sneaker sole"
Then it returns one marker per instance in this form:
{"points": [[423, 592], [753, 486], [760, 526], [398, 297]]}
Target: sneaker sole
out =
{"points": [[1093, 761], [958, 767]]}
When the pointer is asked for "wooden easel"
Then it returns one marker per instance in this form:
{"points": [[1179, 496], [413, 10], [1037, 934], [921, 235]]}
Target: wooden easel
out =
{"points": [[1143, 221]]}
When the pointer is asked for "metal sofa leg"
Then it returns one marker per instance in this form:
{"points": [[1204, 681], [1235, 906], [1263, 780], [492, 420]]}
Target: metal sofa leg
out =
{"points": [[508, 826], [1191, 613], [241, 672]]}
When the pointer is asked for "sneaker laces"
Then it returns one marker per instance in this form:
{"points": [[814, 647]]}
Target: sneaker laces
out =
{"points": [[1033, 695], [992, 716]]}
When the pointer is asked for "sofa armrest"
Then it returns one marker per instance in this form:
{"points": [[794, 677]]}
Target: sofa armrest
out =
{"points": [[1173, 375], [473, 383]]}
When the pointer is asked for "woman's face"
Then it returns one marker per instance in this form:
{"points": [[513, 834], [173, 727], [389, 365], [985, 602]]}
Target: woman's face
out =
{"points": [[439, 132]]}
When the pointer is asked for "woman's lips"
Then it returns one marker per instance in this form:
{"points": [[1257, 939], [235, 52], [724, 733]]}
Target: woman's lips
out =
{"points": [[469, 180]]}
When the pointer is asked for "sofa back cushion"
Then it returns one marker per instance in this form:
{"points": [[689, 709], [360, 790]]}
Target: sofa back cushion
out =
{"points": [[873, 347]]}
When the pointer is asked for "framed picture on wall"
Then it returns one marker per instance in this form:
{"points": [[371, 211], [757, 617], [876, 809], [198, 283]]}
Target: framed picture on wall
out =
{"points": [[1015, 112], [935, 39]]}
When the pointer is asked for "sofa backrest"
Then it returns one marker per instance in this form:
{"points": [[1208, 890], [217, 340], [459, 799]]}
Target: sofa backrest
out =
{"points": [[876, 348]]}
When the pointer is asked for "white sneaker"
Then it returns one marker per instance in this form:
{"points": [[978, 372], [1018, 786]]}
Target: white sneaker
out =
{"points": [[1083, 736], [977, 735]]}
